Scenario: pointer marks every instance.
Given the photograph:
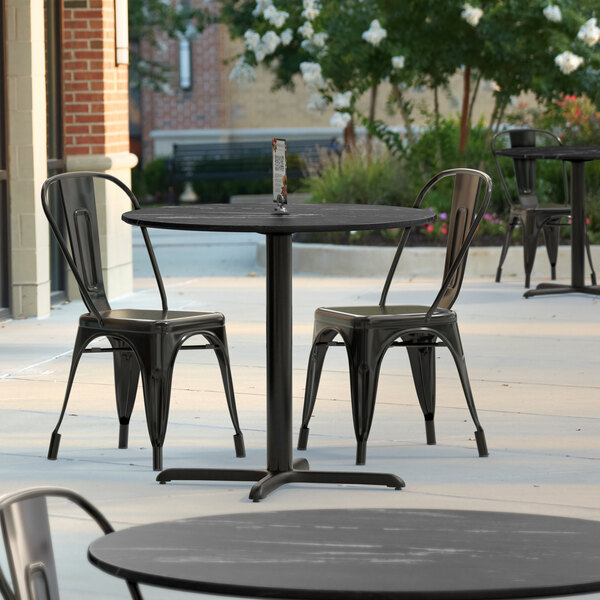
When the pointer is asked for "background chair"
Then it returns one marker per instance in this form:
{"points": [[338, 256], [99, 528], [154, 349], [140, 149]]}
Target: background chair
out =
{"points": [[28, 543], [368, 331], [142, 341], [526, 210]]}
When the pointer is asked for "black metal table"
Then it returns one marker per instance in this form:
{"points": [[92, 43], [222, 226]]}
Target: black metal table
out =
{"points": [[278, 228], [577, 156], [361, 554]]}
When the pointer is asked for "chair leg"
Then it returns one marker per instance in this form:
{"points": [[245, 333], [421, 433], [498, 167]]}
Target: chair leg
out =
{"points": [[422, 364], [127, 375], [530, 237], [455, 346], [551, 235], [81, 341], [313, 377], [157, 376], [365, 364], [225, 366], [589, 256], [510, 227]]}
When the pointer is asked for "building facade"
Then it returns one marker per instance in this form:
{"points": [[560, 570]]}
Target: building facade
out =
{"points": [[65, 108]]}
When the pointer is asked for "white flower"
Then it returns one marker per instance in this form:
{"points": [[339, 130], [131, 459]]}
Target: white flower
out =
{"points": [[589, 32], [342, 100], [306, 30], [568, 62], [375, 33], [398, 62], [471, 14], [252, 39], [286, 37], [311, 10], [275, 17], [340, 119], [319, 39], [261, 5], [242, 72], [271, 40], [552, 13], [312, 75], [316, 103]]}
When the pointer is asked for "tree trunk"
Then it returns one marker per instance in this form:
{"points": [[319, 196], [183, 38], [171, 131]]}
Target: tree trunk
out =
{"points": [[404, 113], [349, 137], [473, 98], [464, 115], [372, 106]]}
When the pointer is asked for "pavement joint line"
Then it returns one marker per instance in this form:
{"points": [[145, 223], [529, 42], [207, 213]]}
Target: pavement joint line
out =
{"points": [[10, 375]]}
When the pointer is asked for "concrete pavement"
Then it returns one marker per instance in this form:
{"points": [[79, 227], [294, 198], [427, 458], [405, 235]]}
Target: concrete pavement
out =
{"points": [[534, 368]]}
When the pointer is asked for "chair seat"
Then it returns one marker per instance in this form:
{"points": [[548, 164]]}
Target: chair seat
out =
{"points": [[386, 314], [144, 319], [557, 209]]}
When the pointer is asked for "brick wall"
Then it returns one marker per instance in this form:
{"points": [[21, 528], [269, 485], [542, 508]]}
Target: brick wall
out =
{"points": [[200, 107], [96, 96]]}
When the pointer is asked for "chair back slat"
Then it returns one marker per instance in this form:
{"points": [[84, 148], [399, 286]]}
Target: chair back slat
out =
{"points": [[464, 200], [466, 212], [28, 543], [78, 203], [525, 168]]}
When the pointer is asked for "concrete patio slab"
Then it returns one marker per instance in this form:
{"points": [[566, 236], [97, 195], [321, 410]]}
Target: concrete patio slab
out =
{"points": [[534, 367]]}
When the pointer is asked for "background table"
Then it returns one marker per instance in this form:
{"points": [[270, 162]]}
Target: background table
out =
{"points": [[278, 229], [577, 156], [361, 554]]}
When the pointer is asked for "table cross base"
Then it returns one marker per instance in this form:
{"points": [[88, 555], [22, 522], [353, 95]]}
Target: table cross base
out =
{"points": [[545, 289], [268, 481]]}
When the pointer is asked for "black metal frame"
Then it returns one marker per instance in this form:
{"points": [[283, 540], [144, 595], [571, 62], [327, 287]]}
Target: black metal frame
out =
{"points": [[37, 548], [535, 218], [281, 467], [368, 332], [5, 299], [143, 343]]}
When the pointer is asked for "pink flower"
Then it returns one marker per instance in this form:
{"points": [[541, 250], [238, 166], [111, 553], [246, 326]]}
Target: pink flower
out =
{"points": [[429, 227]]}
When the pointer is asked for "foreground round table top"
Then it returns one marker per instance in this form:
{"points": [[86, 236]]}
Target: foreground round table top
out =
{"points": [[262, 218], [362, 553]]}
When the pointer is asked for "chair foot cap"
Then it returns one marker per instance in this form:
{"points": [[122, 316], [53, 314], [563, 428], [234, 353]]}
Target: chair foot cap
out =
{"points": [[123, 435], [240, 448], [54, 444], [481, 443], [303, 438], [157, 462], [361, 453], [498, 275], [430, 432]]}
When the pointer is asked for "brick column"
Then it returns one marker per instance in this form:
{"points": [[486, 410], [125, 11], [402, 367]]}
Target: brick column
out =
{"points": [[27, 157], [96, 110]]}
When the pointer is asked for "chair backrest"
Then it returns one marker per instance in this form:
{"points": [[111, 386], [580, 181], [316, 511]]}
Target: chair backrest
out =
{"points": [[469, 204], [76, 199], [28, 543], [525, 170]]}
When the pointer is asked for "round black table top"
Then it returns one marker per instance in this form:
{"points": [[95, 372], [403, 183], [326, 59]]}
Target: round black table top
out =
{"points": [[360, 554], [262, 218], [572, 153]]}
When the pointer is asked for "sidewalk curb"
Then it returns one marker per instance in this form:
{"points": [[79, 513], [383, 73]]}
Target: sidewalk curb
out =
{"points": [[365, 261]]}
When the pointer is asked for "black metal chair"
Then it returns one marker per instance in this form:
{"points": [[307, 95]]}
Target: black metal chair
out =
{"points": [[526, 210], [28, 543], [142, 341], [368, 332]]}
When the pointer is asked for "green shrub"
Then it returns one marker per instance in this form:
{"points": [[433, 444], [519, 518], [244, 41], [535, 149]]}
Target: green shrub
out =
{"points": [[356, 179]]}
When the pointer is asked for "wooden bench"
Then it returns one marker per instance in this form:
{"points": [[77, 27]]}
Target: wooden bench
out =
{"points": [[242, 160]]}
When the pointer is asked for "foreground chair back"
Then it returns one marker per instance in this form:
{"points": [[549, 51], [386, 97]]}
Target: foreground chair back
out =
{"points": [[368, 332], [143, 342], [525, 208], [28, 543]]}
